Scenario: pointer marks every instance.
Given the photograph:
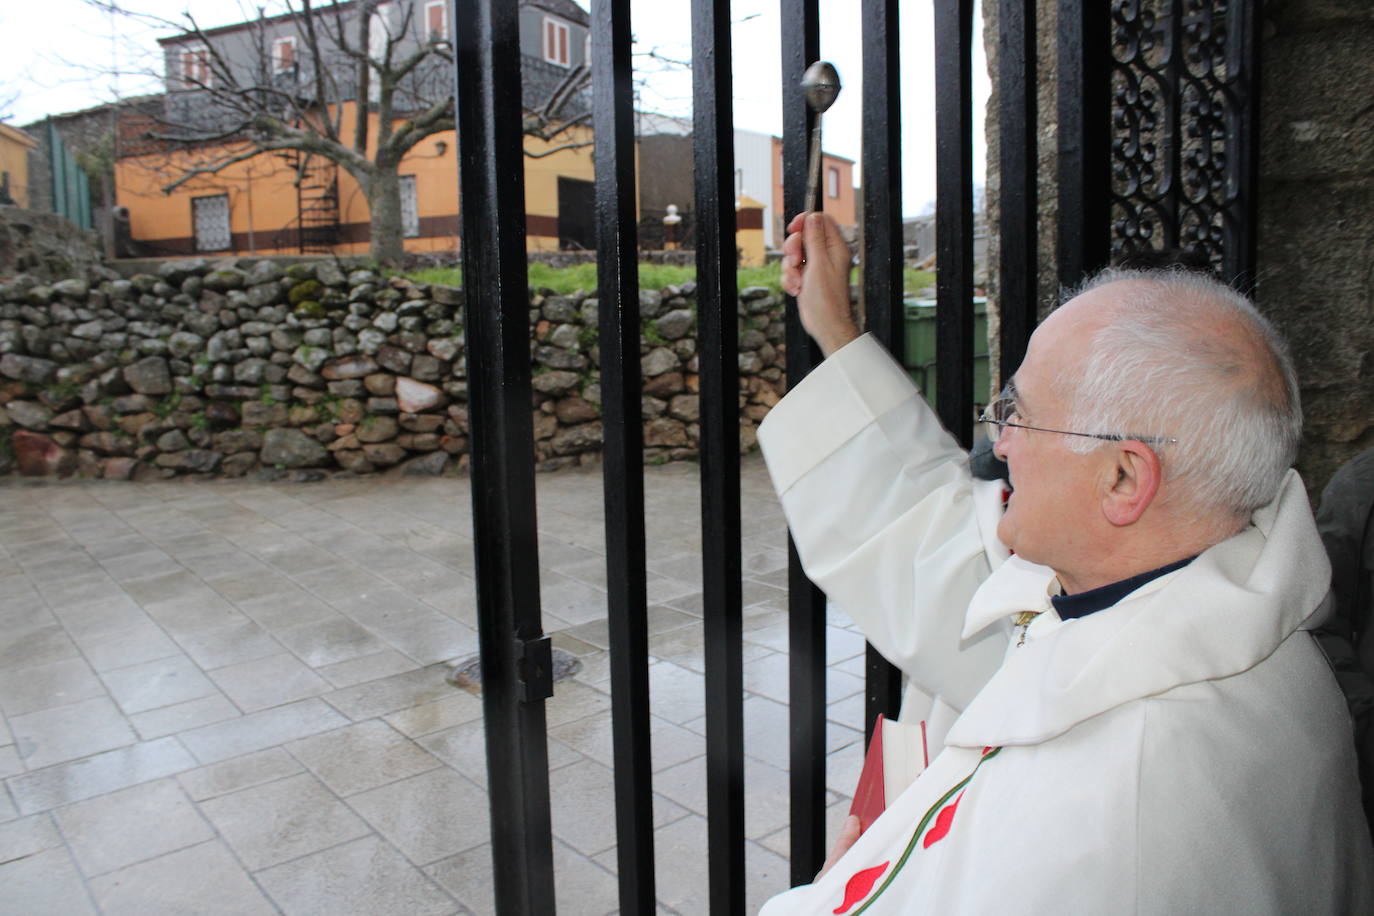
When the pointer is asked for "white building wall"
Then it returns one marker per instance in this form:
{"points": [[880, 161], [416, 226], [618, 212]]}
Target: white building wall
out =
{"points": [[754, 174]]}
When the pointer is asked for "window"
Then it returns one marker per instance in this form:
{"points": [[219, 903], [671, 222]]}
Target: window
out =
{"points": [[832, 182], [410, 208], [195, 66], [210, 216], [556, 42], [436, 20], [284, 54]]}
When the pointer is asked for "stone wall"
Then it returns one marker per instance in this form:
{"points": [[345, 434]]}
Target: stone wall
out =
{"points": [[44, 245], [245, 366], [1316, 217]]}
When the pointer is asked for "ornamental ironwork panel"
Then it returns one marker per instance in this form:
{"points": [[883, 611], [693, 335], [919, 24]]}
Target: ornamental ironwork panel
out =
{"points": [[1183, 84]]}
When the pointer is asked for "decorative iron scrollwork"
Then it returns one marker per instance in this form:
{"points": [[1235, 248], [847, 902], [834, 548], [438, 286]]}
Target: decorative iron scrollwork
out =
{"points": [[1179, 98]]}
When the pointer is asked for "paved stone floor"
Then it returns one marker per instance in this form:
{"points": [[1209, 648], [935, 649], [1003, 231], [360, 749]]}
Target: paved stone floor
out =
{"points": [[229, 697]]}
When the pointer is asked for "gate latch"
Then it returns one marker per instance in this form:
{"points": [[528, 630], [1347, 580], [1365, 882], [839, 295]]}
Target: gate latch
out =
{"points": [[534, 668]]}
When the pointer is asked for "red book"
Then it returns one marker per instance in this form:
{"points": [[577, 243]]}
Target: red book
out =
{"points": [[896, 755]]}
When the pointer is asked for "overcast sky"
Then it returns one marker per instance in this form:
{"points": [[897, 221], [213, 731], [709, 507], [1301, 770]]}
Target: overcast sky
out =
{"points": [[65, 55]]}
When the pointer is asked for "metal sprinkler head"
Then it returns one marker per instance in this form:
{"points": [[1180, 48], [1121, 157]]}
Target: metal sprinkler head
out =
{"points": [[820, 84]]}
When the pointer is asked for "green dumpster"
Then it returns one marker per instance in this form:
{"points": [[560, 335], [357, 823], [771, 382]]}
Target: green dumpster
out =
{"points": [[919, 355]]}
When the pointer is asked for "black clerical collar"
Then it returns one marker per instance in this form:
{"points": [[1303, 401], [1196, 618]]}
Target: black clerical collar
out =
{"points": [[1095, 599]]}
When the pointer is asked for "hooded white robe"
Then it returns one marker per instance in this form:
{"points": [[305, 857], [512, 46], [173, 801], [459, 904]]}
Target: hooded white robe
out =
{"points": [[1184, 751]]}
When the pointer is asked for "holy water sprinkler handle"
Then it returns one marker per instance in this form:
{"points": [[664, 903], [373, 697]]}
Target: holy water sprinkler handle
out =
{"points": [[820, 84]]}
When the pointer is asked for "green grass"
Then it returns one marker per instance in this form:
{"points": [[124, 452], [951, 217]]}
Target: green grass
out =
{"points": [[566, 280]]}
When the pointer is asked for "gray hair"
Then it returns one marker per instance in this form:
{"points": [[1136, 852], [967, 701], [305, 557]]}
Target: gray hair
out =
{"points": [[1160, 368]]}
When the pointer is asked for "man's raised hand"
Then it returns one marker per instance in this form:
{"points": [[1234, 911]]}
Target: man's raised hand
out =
{"points": [[815, 269]]}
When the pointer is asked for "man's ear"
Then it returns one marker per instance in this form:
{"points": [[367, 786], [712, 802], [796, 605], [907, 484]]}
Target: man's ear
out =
{"points": [[1137, 476]]}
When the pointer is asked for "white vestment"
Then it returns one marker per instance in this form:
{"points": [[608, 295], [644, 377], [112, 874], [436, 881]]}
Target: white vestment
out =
{"points": [[1186, 750]]}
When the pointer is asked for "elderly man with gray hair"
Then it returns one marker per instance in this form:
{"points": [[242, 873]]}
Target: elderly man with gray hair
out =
{"points": [[1123, 709]]}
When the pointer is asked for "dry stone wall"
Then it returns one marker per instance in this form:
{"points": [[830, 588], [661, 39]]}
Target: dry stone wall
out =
{"points": [[242, 367]]}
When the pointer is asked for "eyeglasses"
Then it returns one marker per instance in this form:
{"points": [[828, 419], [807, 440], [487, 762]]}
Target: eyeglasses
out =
{"points": [[1001, 411]]}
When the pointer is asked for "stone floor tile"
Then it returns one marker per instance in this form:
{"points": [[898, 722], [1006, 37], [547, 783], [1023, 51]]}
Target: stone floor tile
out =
{"points": [[220, 563], [850, 711], [428, 817], [361, 757], [669, 744], [239, 773], [23, 611], [266, 682], [363, 878], [239, 642], [44, 884], [327, 642], [131, 825], [51, 787], [144, 641], [236, 737], [299, 557], [255, 586], [165, 885], [780, 841], [68, 732], [766, 730], [572, 701], [766, 795], [289, 609], [278, 821], [10, 764], [441, 714], [580, 815], [336, 582], [582, 887], [367, 668], [27, 836], [570, 599], [169, 586], [155, 684], [468, 877], [96, 620], [180, 717], [39, 646], [388, 694], [194, 612], [676, 693], [38, 687], [686, 646], [145, 564], [425, 635]]}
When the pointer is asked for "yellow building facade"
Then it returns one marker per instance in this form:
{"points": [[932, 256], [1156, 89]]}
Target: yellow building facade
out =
{"points": [[14, 163], [261, 205]]}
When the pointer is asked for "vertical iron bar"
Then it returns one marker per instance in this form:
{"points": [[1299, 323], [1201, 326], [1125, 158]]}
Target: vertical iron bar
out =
{"points": [[1242, 146], [718, 358], [805, 602], [1084, 54], [504, 532], [1169, 219], [1019, 243], [623, 449], [885, 314], [954, 216]]}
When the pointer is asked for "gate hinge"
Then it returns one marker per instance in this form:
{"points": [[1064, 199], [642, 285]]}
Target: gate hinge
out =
{"points": [[534, 668]]}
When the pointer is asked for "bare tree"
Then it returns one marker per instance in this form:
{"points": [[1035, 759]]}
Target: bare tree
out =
{"points": [[366, 82]]}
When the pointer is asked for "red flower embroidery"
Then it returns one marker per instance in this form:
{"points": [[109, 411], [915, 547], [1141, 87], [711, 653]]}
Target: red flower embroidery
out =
{"points": [[858, 886], [943, 821]]}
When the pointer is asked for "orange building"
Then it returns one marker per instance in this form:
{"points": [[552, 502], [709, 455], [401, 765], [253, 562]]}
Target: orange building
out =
{"points": [[304, 65], [286, 202], [837, 191], [15, 146]]}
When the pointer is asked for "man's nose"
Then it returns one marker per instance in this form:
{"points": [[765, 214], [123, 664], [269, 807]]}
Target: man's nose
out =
{"points": [[999, 443]]}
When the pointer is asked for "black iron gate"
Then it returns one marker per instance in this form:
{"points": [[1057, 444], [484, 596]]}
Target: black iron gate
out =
{"points": [[1155, 120]]}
